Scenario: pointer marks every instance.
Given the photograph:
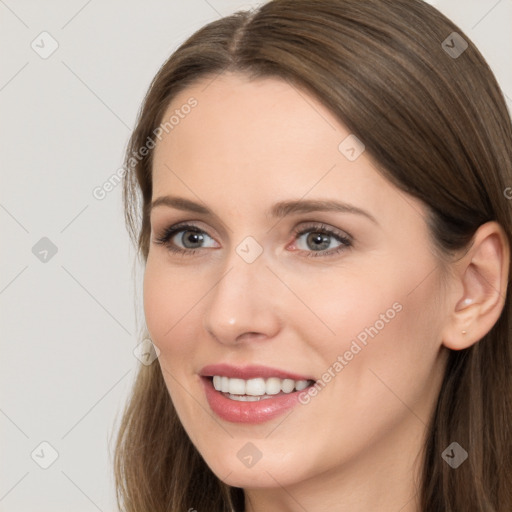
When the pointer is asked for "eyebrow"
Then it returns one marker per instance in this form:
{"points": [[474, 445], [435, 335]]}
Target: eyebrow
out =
{"points": [[278, 210]]}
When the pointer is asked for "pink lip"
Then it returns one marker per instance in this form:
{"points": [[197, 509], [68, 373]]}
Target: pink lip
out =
{"points": [[248, 412], [249, 372]]}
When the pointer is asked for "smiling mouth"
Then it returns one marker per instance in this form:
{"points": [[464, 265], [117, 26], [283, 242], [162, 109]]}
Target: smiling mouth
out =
{"points": [[259, 388], [254, 400]]}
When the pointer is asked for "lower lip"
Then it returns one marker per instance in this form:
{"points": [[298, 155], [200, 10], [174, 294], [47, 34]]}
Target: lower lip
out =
{"points": [[248, 412]]}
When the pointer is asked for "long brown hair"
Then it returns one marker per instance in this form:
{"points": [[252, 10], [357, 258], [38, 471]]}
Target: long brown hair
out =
{"points": [[432, 115]]}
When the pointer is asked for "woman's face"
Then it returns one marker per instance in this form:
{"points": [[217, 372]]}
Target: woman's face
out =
{"points": [[351, 296]]}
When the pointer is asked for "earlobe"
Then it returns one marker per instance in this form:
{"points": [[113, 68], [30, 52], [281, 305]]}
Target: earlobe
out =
{"points": [[482, 274]]}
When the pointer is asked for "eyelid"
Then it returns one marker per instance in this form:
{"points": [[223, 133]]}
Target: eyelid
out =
{"points": [[311, 225], [297, 230], [186, 224]]}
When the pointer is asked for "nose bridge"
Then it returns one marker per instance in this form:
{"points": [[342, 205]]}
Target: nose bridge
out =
{"points": [[240, 301]]}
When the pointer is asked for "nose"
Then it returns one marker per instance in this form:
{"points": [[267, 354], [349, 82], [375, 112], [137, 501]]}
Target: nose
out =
{"points": [[243, 304]]}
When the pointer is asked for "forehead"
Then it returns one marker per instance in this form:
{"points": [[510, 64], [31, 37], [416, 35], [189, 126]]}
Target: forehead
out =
{"points": [[254, 142], [234, 116]]}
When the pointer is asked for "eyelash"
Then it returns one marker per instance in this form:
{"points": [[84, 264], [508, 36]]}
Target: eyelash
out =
{"points": [[169, 233]]}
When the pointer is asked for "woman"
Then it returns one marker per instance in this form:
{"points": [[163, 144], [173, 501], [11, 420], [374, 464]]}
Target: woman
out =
{"points": [[317, 191]]}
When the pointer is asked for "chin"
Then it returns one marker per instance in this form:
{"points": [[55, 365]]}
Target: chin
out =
{"points": [[267, 473]]}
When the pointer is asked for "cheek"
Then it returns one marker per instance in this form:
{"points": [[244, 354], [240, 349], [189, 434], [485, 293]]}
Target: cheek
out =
{"points": [[341, 304], [387, 321], [158, 302], [391, 350], [171, 298], [171, 314]]}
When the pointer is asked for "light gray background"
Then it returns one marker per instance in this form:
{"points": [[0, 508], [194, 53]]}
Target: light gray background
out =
{"points": [[70, 324]]}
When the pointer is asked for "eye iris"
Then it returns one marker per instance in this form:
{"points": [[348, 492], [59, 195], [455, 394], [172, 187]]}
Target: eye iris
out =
{"points": [[193, 238], [320, 241]]}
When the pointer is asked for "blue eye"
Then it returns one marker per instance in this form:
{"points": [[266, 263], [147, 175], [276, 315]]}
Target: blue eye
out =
{"points": [[188, 235], [320, 240], [186, 239]]}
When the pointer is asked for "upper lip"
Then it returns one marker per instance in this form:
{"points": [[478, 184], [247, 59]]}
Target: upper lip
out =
{"points": [[249, 372]]}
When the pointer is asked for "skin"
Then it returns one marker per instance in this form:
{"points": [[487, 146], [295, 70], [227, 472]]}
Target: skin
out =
{"points": [[356, 446]]}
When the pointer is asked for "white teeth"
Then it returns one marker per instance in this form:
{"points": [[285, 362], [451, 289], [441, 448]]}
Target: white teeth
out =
{"points": [[236, 387], [247, 398], [301, 384], [288, 385], [273, 386], [258, 387], [255, 387]]}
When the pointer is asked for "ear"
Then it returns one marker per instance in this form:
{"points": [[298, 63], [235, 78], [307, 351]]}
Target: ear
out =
{"points": [[481, 279]]}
